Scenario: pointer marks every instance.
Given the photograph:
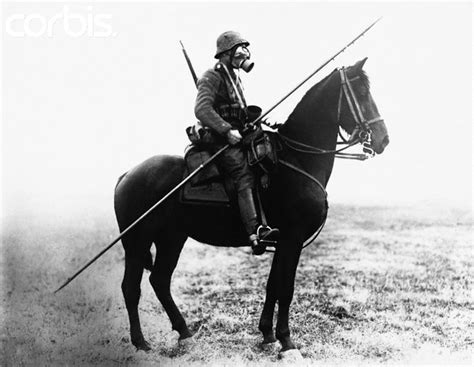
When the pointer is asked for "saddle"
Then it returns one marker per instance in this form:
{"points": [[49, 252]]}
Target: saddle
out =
{"points": [[210, 186]]}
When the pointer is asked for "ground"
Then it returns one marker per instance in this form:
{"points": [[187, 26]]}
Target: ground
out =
{"points": [[404, 276]]}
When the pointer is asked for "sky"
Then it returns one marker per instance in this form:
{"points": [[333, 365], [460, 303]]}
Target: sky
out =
{"points": [[90, 90]]}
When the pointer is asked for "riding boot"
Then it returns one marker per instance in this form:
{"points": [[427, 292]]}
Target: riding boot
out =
{"points": [[248, 213], [259, 236]]}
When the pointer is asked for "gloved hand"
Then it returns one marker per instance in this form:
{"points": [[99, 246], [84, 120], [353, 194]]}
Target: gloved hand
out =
{"points": [[233, 136]]}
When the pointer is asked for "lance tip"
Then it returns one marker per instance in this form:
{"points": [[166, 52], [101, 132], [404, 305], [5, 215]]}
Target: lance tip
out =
{"points": [[57, 290], [378, 19]]}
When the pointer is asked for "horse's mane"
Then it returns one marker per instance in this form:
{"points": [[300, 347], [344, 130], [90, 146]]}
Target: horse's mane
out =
{"points": [[316, 88], [306, 105], [364, 79]]}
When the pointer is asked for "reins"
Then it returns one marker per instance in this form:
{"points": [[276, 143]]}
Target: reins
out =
{"points": [[309, 149]]}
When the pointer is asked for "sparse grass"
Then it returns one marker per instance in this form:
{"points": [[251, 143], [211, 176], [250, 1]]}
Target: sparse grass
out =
{"points": [[403, 275]]}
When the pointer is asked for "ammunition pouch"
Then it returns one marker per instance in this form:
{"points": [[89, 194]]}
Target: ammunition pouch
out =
{"points": [[204, 137], [232, 113]]}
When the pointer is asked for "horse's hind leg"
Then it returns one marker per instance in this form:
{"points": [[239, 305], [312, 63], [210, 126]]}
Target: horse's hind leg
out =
{"points": [[131, 292], [168, 249]]}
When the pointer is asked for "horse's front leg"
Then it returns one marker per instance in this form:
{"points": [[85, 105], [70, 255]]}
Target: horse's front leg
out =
{"points": [[287, 258]]}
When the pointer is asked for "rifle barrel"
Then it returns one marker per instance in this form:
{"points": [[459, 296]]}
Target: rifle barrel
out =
{"points": [[190, 65]]}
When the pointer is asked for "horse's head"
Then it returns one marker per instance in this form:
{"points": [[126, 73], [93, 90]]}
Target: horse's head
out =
{"points": [[357, 111]]}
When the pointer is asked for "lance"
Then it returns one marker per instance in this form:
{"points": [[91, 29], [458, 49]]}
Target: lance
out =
{"points": [[206, 163]]}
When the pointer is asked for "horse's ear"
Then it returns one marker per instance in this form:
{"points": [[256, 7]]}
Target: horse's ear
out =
{"points": [[360, 64]]}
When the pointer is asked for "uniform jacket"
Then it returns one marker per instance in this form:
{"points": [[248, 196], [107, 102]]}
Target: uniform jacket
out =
{"points": [[214, 90]]}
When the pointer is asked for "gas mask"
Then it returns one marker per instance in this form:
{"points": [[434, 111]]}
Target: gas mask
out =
{"points": [[241, 59]]}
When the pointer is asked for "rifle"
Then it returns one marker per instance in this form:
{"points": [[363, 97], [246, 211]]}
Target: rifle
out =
{"points": [[188, 61]]}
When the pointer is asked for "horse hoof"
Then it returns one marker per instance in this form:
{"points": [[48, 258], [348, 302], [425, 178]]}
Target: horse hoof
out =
{"points": [[291, 356], [186, 344], [269, 347], [142, 345]]}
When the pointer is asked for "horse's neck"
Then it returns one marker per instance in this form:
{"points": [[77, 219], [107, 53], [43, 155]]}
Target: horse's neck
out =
{"points": [[313, 123]]}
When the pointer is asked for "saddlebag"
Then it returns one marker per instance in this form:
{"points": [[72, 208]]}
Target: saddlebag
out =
{"points": [[261, 150]]}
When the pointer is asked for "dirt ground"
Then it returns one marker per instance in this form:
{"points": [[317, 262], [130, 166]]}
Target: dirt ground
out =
{"points": [[403, 274]]}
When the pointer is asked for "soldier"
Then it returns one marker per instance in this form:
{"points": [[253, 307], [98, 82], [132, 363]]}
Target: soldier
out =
{"points": [[220, 106]]}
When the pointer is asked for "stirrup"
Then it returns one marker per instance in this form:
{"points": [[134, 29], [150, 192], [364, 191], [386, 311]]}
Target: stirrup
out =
{"points": [[264, 236], [267, 235]]}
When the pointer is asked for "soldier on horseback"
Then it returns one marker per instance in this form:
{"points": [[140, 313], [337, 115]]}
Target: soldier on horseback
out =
{"points": [[221, 106]]}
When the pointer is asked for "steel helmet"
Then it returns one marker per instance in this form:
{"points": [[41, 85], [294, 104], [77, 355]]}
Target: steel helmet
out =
{"points": [[227, 40]]}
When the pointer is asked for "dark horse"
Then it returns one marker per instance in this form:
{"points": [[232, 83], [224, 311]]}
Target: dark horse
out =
{"points": [[295, 202]]}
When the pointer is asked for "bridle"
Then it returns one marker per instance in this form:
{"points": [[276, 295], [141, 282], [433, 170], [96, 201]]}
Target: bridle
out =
{"points": [[362, 132], [362, 129]]}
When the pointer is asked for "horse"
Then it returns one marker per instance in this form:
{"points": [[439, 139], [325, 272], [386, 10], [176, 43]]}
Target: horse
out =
{"points": [[295, 202]]}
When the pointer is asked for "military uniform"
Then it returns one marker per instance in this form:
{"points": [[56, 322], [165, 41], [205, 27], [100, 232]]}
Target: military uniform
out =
{"points": [[217, 107], [220, 106]]}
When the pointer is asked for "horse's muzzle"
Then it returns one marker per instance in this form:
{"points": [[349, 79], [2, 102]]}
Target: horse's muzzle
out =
{"points": [[379, 136], [379, 148]]}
